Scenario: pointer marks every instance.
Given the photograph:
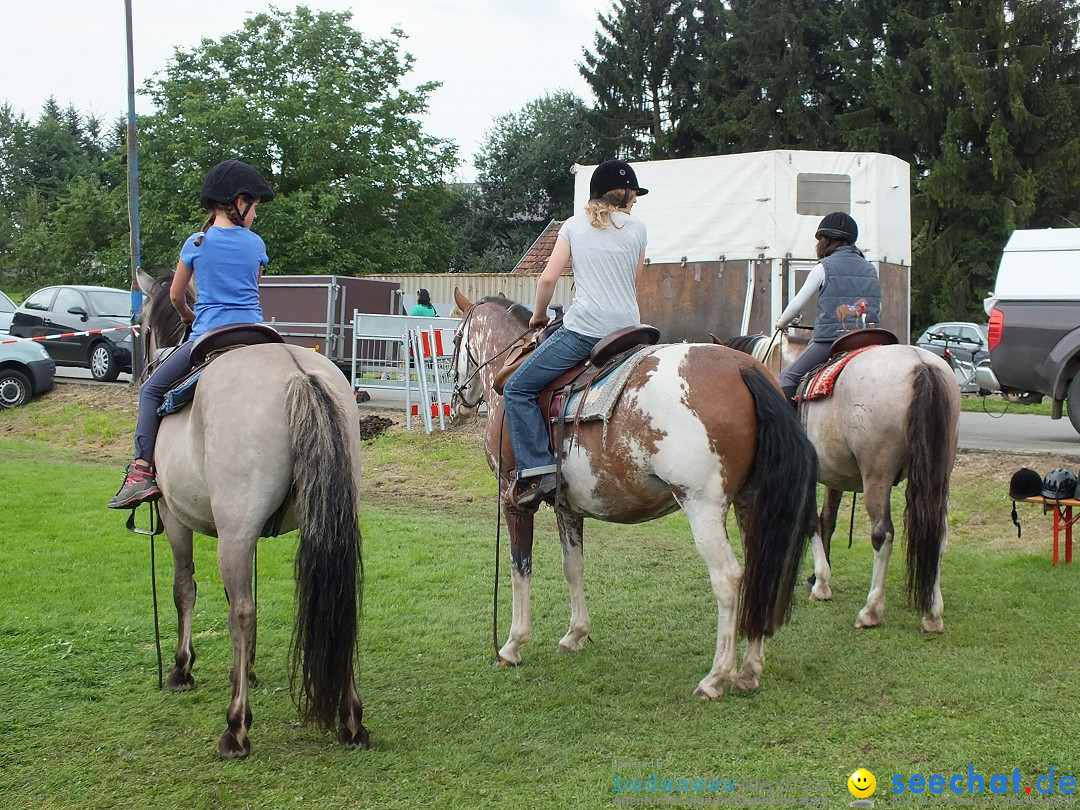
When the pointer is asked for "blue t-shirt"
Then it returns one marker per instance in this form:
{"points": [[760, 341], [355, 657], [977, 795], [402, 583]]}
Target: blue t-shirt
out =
{"points": [[226, 269]]}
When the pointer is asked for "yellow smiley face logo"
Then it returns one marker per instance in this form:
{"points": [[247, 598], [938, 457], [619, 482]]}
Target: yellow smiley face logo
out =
{"points": [[861, 783]]}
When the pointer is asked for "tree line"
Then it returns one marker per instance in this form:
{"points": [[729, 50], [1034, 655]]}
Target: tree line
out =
{"points": [[981, 98]]}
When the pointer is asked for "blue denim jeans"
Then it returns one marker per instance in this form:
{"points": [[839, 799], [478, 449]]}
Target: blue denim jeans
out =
{"points": [[151, 393], [527, 426]]}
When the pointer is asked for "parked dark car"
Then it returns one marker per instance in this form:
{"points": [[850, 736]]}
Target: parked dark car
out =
{"points": [[25, 371], [82, 310]]}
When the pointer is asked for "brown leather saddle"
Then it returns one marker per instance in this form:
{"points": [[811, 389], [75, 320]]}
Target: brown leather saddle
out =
{"points": [[861, 338], [207, 347], [233, 336]]}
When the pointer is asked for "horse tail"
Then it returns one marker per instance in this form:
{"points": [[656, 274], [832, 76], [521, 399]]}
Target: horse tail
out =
{"points": [[928, 468], [329, 568], [783, 509]]}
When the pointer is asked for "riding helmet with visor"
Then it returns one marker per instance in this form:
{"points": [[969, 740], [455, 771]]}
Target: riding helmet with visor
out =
{"points": [[1059, 484], [613, 175], [838, 225], [231, 179]]}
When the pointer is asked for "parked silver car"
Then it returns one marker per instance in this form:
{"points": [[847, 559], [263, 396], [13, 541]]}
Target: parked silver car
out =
{"points": [[964, 346], [7, 310], [26, 369]]}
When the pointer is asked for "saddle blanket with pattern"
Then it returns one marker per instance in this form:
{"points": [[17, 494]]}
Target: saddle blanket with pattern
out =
{"points": [[601, 396], [821, 384]]}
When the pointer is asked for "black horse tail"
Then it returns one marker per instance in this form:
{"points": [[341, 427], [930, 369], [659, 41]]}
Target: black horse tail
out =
{"points": [[329, 568], [783, 509], [930, 449]]}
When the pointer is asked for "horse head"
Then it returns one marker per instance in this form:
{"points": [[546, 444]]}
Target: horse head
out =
{"points": [[160, 323]]}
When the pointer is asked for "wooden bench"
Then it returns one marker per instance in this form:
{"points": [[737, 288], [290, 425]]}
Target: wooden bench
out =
{"points": [[1063, 522]]}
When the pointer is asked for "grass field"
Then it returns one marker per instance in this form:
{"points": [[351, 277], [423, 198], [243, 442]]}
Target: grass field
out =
{"points": [[83, 724]]}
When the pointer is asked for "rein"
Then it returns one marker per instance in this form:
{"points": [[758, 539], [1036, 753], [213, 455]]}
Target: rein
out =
{"points": [[459, 388]]}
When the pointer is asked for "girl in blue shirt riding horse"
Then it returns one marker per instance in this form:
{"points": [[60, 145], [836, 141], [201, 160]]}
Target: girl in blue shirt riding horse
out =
{"points": [[226, 260]]}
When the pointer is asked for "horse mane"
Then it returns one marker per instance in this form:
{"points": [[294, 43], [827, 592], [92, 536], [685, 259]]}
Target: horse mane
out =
{"points": [[520, 312], [160, 316]]}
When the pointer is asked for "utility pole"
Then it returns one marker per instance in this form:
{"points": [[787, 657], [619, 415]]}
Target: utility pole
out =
{"points": [[137, 359]]}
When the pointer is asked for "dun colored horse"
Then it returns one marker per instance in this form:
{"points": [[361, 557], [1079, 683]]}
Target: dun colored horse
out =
{"points": [[271, 442], [893, 414], [697, 426]]}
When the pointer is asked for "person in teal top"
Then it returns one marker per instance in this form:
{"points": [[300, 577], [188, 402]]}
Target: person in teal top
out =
{"points": [[423, 305], [226, 260]]}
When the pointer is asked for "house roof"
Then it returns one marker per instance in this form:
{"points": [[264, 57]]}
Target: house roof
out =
{"points": [[536, 257]]}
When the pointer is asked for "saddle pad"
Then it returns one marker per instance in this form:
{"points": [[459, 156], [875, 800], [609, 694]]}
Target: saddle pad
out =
{"points": [[601, 396], [821, 384], [176, 398]]}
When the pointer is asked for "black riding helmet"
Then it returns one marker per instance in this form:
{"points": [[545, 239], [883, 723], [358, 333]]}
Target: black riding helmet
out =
{"points": [[1059, 484], [838, 225], [1025, 483], [611, 175], [231, 179]]}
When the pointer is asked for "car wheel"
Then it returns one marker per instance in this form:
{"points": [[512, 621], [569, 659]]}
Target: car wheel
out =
{"points": [[103, 365], [15, 388], [1072, 402]]}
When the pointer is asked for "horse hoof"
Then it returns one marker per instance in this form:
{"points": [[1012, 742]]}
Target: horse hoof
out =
{"points": [[866, 622], [228, 746], [821, 594], [504, 662], [744, 684], [933, 625], [706, 694], [176, 681], [361, 739], [253, 679], [569, 647]]}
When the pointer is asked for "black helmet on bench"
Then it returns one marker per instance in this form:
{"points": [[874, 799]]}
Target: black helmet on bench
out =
{"points": [[1025, 483], [1059, 484]]}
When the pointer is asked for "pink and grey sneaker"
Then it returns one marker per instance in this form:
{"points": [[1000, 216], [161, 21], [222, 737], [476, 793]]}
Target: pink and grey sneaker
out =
{"points": [[139, 487]]}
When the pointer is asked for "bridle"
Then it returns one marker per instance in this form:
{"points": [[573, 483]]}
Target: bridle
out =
{"points": [[460, 388]]}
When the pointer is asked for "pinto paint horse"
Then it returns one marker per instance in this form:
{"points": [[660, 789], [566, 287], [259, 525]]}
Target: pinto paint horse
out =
{"points": [[893, 414], [697, 426], [271, 442]]}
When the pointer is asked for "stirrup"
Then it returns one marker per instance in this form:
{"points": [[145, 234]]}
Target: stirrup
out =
{"points": [[537, 489]]}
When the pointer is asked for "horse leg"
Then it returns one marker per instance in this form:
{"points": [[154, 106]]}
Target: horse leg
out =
{"points": [[179, 678], [573, 559], [822, 543], [234, 562], [932, 621], [520, 526], [878, 491], [707, 513], [351, 732]]}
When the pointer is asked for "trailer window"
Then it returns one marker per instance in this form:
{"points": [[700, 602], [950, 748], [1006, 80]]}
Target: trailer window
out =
{"points": [[820, 194]]}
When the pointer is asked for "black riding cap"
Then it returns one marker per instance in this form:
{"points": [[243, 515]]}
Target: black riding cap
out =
{"points": [[231, 179], [612, 175], [1025, 483], [838, 225]]}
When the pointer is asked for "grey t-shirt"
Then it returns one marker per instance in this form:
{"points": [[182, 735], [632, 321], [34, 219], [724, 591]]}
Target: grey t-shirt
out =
{"points": [[605, 273]]}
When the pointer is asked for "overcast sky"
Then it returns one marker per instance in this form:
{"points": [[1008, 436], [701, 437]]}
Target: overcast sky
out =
{"points": [[492, 56]]}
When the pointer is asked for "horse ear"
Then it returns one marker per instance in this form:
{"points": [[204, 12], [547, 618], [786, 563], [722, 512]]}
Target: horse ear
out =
{"points": [[502, 296], [464, 304], [716, 340], [146, 281]]}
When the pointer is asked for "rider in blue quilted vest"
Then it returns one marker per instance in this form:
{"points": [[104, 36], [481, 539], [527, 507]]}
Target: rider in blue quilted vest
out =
{"points": [[844, 282]]}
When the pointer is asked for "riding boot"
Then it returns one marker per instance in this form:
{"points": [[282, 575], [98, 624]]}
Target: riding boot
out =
{"points": [[789, 392]]}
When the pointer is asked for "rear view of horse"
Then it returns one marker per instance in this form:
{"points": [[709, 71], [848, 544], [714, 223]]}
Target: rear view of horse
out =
{"points": [[269, 443], [697, 426], [893, 414]]}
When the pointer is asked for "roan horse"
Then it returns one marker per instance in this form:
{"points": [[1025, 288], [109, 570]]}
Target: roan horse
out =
{"points": [[699, 427], [270, 442], [893, 414]]}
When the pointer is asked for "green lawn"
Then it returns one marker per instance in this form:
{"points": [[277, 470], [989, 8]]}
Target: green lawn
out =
{"points": [[83, 724]]}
